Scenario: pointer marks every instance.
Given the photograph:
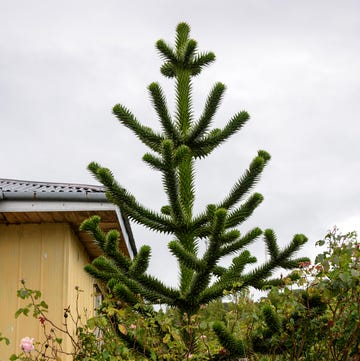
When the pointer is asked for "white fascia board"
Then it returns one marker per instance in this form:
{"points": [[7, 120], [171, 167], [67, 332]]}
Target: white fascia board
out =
{"points": [[54, 206], [124, 232]]}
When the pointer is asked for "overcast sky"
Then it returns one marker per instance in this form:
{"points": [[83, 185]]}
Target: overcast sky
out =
{"points": [[293, 65]]}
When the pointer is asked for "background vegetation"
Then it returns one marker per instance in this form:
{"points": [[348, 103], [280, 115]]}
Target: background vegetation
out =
{"points": [[312, 315]]}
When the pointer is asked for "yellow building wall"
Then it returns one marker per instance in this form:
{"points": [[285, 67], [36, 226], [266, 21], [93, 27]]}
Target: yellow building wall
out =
{"points": [[49, 258]]}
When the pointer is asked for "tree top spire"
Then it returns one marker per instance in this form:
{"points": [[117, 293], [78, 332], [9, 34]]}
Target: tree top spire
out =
{"points": [[184, 56]]}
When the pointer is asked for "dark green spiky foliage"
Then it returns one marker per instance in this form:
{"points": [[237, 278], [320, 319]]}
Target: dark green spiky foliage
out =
{"points": [[184, 139]]}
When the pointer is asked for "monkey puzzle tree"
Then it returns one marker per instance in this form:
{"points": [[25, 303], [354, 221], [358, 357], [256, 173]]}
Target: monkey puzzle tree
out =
{"points": [[183, 140]]}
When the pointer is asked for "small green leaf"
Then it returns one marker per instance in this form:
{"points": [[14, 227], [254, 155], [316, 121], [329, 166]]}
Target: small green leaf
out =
{"points": [[203, 325], [91, 323], [44, 305], [23, 293], [345, 277], [5, 339], [24, 311], [153, 356], [355, 273]]}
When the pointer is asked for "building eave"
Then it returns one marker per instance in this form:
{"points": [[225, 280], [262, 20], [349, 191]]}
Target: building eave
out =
{"points": [[64, 203]]}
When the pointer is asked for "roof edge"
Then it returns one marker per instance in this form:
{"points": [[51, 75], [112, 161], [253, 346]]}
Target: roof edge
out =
{"points": [[53, 196], [31, 191]]}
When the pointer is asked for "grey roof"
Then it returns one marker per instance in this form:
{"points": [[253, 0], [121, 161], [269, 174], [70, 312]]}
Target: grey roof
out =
{"points": [[22, 189], [13, 185]]}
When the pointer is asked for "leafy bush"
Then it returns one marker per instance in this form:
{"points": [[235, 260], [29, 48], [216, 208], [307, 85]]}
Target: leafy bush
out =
{"points": [[313, 315], [318, 316]]}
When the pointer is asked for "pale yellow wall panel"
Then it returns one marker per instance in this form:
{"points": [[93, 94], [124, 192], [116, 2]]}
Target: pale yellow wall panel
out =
{"points": [[53, 273], [22, 246], [78, 258], [9, 283], [30, 270], [38, 253]]}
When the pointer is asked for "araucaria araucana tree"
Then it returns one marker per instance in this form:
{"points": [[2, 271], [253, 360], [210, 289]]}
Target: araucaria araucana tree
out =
{"points": [[185, 139]]}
